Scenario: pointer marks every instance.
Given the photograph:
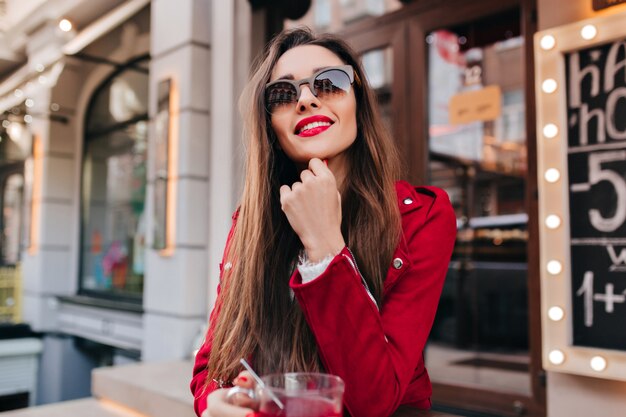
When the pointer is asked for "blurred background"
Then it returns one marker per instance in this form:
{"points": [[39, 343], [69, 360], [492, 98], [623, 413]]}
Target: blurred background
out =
{"points": [[121, 164]]}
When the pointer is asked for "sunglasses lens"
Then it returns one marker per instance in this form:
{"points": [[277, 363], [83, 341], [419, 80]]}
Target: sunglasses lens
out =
{"points": [[332, 82], [279, 95]]}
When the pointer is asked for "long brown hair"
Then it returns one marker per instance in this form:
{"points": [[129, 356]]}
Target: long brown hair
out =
{"points": [[258, 316]]}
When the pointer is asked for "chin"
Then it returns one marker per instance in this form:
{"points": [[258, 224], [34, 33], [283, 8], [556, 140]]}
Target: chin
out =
{"points": [[305, 157]]}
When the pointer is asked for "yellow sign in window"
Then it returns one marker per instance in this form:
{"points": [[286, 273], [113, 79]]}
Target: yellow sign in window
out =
{"points": [[476, 106]]}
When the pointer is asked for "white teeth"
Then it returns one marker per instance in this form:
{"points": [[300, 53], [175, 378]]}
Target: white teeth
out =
{"points": [[314, 125]]}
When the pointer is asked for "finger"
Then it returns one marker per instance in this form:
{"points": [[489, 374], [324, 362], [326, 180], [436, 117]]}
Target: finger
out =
{"points": [[306, 175], [296, 186], [242, 400], [318, 167], [284, 191], [244, 380], [218, 406]]}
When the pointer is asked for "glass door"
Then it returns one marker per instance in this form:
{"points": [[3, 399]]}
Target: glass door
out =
{"points": [[483, 352], [477, 153]]}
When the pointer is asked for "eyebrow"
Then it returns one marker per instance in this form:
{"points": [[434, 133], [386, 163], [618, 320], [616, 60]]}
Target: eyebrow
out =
{"points": [[291, 77]]}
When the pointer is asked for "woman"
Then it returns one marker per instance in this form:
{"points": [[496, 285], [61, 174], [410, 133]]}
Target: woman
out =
{"points": [[331, 265]]}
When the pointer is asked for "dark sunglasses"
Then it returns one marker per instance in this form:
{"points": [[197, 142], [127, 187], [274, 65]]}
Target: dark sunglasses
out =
{"points": [[324, 84]]}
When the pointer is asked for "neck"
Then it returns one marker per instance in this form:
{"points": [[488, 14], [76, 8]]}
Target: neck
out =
{"points": [[338, 166]]}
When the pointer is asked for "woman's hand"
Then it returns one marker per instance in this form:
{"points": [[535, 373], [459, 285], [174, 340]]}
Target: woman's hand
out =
{"points": [[313, 208], [239, 405]]}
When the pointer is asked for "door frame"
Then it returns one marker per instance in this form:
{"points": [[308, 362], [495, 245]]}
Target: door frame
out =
{"points": [[405, 30], [394, 37]]}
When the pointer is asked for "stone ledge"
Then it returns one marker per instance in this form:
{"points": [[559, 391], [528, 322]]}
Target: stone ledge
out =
{"points": [[156, 389], [76, 408]]}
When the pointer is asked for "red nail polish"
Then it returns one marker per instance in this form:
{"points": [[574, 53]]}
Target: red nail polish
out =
{"points": [[252, 414], [244, 379]]}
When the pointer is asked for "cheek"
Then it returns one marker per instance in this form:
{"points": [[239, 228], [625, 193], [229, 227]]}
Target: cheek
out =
{"points": [[280, 128], [349, 113]]}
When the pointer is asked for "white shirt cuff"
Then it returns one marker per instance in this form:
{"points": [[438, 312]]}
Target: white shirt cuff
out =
{"points": [[309, 270]]}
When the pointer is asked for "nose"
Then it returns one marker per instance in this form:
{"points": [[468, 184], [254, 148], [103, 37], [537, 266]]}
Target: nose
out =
{"points": [[307, 99]]}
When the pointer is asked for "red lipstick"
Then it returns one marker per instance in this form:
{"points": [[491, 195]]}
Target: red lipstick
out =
{"points": [[325, 121]]}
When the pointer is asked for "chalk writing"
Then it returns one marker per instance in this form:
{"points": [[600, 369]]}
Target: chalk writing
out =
{"points": [[596, 138]]}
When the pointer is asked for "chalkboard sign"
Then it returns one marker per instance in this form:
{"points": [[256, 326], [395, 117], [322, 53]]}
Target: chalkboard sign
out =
{"points": [[596, 127]]}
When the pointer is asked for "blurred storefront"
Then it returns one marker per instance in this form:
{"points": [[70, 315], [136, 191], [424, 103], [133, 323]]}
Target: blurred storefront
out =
{"points": [[105, 167], [120, 165]]}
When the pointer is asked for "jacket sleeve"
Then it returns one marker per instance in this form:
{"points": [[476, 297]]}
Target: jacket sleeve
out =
{"points": [[377, 352], [200, 388]]}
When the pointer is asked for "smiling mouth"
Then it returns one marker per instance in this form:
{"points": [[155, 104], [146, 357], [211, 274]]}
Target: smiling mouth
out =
{"points": [[314, 128]]}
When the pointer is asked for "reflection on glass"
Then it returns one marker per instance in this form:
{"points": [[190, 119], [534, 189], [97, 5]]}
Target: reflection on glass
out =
{"points": [[113, 212], [123, 98], [480, 335], [12, 203], [113, 227], [333, 16], [497, 145], [378, 67], [161, 143], [323, 13]]}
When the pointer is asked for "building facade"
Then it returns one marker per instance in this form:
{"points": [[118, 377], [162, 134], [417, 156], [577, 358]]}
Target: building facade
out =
{"points": [[111, 171], [122, 164]]}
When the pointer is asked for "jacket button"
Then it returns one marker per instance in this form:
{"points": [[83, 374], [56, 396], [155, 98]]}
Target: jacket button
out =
{"points": [[407, 201], [397, 263], [228, 266]]}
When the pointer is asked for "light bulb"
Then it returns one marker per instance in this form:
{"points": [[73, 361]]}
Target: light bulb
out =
{"points": [[552, 175], [598, 363], [550, 130], [547, 42], [553, 221], [556, 356], [554, 267], [588, 32], [549, 86], [556, 313], [65, 25]]}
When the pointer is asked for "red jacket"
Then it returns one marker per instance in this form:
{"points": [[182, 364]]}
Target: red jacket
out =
{"points": [[377, 353]]}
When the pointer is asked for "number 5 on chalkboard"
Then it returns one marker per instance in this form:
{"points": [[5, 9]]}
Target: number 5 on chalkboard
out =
{"points": [[598, 174]]}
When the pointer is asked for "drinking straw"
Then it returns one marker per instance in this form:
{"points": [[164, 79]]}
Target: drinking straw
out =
{"points": [[261, 384]]}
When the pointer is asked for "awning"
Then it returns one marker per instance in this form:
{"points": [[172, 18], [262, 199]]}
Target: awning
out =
{"points": [[24, 80]]}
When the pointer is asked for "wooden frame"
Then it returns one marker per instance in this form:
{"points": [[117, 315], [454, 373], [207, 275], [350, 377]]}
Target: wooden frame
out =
{"points": [[161, 165], [557, 149], [394, 37]]}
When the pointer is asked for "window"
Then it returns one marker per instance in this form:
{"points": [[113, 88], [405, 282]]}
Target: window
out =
{"points": [[333, 15], [322, 13], [480, 335], [113, 228], [375, 7], [12, 203]]}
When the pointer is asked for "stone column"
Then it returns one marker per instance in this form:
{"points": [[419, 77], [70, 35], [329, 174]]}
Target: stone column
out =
{"points": [[175, 284], [49, 265]]}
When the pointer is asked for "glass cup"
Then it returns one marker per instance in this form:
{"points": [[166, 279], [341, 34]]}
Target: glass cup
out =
{"points": [[301, 394]]}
